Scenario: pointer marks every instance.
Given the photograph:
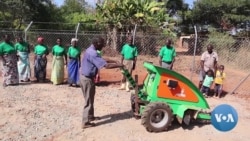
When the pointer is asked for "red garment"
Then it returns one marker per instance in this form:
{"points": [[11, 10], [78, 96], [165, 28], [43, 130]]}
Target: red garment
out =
{"points": [[97, 79], [40, 39]]}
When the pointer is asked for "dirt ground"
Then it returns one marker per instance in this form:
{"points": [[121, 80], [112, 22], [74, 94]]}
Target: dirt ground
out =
{"points": [[45, 112]]}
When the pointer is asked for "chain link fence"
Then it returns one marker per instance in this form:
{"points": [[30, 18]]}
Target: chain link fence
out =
{"points": [[234, 53]]}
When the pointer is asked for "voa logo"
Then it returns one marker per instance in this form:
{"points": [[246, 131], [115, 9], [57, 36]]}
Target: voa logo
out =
{"points": [[224, 117]]}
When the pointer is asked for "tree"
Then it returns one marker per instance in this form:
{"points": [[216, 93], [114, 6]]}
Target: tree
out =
{"points": [[179, 11], [221, 12], [77, 11], [73, 6], [121, 14], [14, 12], [46, 13], [17, 12], [173, 6]]}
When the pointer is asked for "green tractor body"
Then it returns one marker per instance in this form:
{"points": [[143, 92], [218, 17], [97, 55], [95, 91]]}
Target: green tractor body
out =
{"points": [[165, 95]]}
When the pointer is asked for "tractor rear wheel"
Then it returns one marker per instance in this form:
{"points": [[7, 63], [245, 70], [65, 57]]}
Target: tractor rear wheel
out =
{"points": [[157, 117]]}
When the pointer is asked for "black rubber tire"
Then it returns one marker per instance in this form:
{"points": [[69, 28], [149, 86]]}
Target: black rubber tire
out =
{"points": [[157, 117]]}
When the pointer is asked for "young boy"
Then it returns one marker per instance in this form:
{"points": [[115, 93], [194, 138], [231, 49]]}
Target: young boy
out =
{"points": [[209, 78], [167, 55], [219, 78], [128, 59]]}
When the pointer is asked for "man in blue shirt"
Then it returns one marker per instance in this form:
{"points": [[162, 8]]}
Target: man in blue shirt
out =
{"points": [[90, 64]]}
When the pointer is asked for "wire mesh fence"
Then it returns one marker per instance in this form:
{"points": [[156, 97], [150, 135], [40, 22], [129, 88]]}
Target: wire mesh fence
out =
{"points": [[234, 53]]}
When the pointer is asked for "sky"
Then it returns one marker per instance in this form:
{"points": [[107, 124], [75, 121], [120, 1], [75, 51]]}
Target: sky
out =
{"points": [[190, 2], [92, 2], [60, 2]]}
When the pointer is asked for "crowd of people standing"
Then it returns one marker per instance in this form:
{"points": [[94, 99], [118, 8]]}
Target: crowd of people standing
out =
{"points": [[16, 61], [16, 66]]}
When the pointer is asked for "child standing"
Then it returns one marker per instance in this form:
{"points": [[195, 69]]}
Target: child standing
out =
{"points": [[218, 82], [209, 78]]}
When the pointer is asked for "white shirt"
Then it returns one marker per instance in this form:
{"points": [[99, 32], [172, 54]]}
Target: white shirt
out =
{"points": [[209, 60]]}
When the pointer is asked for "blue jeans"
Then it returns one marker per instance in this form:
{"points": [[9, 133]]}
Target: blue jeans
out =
{"points": [[218, 89], [205, 90]]}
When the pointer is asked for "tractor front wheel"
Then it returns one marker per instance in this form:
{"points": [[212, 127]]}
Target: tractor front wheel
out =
{"points": [[157, 117]]}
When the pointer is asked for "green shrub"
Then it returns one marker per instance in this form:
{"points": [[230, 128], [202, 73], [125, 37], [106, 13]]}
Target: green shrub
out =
{"points": [[231, 52], [220, 41]]}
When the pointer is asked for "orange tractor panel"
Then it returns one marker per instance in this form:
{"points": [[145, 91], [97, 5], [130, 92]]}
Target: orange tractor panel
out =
{"points": [[181, 92]]}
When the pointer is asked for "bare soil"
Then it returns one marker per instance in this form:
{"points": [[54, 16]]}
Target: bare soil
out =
{"points": [[45, 112]]}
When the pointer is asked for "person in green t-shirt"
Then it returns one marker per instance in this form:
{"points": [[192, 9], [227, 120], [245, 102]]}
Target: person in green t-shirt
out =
{"points": [[167, 55], [208, 81], [58, 62], [99, 52], [129, 56], [40, 60], [9, 62], [23, 50], [74, 54]]}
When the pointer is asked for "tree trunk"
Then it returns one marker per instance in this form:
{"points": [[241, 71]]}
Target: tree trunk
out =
{"points": [[109, 40], [114, 38]]}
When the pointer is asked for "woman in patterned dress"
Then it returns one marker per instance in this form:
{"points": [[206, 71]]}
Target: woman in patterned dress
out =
{"points": [[9, 62], [40, 60]]}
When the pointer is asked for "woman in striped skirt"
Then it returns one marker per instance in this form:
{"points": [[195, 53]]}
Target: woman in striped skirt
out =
{"points": [[9, 60]]}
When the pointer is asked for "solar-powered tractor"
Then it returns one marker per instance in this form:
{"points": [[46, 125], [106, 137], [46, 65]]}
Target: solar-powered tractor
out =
{"points": [[165, 95]]}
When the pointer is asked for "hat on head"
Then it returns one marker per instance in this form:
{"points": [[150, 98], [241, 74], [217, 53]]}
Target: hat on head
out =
{"points": [[74, 40], [40, 39]]}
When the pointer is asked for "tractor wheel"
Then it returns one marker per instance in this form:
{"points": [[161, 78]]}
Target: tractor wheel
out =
{"points": [[157, 117]]}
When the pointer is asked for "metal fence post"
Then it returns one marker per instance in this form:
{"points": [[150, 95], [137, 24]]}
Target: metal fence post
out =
{"points": [[77, 28], [133, 61], [195, 46], [134, 34], [26, 29]]}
